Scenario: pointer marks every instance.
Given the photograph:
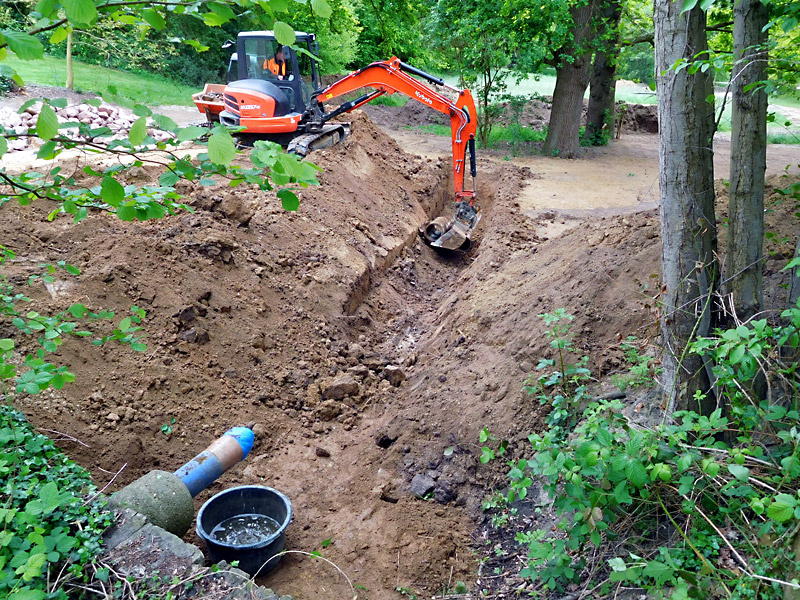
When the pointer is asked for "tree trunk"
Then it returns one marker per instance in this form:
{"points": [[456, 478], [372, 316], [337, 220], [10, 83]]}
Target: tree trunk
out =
{"points": [[688, 224], [572, 76], [600, 117], [70, 74], [743, 262]]}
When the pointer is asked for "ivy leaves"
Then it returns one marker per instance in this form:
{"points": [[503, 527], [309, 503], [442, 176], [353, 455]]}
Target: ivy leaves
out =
{"points": [[44, 521]]}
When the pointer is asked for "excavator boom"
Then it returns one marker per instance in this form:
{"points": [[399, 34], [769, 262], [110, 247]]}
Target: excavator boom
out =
{"points": [[388, 77]]}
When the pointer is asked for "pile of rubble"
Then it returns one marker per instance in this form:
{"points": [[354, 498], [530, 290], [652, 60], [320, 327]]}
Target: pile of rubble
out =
{"points": [[118, 120]]}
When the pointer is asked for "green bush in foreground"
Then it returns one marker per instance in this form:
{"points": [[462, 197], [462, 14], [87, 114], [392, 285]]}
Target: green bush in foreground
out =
{"points": [[694, 507], [51, 528]]}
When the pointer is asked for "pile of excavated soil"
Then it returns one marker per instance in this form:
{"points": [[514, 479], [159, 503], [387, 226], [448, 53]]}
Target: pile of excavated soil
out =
{"points": [[366, 362], [302, 325]]}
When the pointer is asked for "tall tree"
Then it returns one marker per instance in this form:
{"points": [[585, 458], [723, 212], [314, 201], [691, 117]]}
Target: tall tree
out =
{"points": [[573, 63], [688, 224], [481, 60], [744, 255], [602, 86]]}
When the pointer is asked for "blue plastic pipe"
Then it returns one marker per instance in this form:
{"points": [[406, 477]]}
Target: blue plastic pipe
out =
{"points": [[221, 455]]}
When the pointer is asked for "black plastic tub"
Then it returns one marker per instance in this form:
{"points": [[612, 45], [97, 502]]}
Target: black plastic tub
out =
{"points": [[254, 559]]}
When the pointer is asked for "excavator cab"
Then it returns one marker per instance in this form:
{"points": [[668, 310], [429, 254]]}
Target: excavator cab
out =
{"points": [[261, 57]]}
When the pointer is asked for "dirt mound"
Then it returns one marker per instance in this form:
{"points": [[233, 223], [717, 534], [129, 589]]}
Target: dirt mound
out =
{"points": [[258, 317], [366, 362], [411, 114], [642, 118]]}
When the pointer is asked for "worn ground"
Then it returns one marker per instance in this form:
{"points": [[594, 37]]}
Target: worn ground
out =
{"points": [[254, 313]]}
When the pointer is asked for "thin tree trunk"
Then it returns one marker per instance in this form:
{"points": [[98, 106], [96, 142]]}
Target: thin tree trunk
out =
{"points": [[602, 87], [793, 293], [688, 224], [572, 78], [70, 73], [743, 262]]}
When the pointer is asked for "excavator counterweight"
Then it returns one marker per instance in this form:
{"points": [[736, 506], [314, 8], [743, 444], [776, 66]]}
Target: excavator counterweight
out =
{"points": [[278, 97]]}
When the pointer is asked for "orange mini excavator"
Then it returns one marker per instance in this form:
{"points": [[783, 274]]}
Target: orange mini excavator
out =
{"points": [[274, 93]]}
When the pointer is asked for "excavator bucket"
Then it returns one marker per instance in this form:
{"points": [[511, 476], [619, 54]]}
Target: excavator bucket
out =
{"points": [[452, 234]]}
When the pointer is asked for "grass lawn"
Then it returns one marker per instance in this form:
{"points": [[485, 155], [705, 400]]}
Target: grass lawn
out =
{"points": [[146, 89]]}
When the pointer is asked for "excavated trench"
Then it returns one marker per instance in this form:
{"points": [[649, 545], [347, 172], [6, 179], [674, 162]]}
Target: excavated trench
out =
{"points": [[305, 326]]}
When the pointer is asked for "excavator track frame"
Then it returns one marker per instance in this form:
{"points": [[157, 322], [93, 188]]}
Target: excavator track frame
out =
{"points": [[328, 136]]}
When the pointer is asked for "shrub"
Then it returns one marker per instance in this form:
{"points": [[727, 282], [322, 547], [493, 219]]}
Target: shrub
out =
{"points": [[51, 526]]}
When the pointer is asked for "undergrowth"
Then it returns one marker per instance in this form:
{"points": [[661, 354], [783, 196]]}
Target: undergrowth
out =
{"points": [[51, 519], [698, 506], [52, 525]]}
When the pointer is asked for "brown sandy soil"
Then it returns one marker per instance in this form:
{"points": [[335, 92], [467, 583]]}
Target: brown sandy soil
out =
{"points": [[253, 313]]}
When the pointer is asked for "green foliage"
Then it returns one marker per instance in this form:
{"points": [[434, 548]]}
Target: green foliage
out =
{"points": [[89, 78], [337, 30], [637, 63], [51, 529], [699, 505], [563, 384], [642, 370], [480, 60], [390, 28], [269, 165]]}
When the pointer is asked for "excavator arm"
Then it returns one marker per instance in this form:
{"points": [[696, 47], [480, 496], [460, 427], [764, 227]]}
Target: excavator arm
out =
{"points": [[388, 77]]}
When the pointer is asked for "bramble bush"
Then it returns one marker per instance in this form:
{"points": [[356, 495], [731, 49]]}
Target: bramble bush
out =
{"points": [[697, 506]]}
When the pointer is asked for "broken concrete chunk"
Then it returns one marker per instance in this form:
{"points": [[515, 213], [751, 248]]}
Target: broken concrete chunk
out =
{"points": [[394, 374], [422, 485], [344, 385]]}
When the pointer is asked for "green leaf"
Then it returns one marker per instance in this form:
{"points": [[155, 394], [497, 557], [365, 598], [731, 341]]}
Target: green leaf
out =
{"points": [[168, 179], [617, 564], [221, 9], [661, 471], [138, 131], [165, 123], [782, 508], [23, 45], [741, 473], [737, 354], [49, 497], [78, 310], [47, 123], [80, 11], [59, 35], [154, 19], [190, 133], [659, 571], [221, 149], [789, 24], [138, 347], [3, 146], [45, 7], [213, 19], [684, 462], [706, 4], [636, 473], [284, 33], [28, 594], [6, 344], [289, 201], [321, 8], [688, 5], [621, 493], [33, 567], [111, 191], [125, 324]]}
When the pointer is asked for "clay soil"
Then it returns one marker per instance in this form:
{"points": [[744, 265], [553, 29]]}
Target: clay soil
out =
{"points": [[254, 312]]}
